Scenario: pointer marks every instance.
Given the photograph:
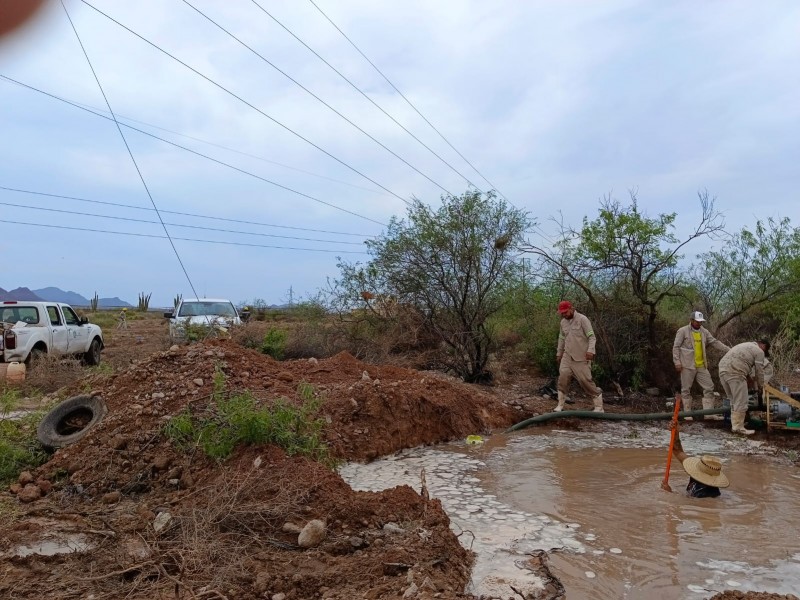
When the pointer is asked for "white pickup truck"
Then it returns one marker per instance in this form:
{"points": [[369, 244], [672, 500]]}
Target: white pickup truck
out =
{"points": [[31, 328]]}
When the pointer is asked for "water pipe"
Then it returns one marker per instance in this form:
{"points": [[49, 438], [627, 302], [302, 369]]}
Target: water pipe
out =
{"points": [[589, 414]]}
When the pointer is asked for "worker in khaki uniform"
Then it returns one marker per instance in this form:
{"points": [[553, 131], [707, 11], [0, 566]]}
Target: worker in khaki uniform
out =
{"points": [[691, 360], [734, 371], [576, 344]]}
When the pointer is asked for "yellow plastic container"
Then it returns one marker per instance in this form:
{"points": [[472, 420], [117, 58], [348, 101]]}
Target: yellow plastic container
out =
{"points": [[13, 372]]}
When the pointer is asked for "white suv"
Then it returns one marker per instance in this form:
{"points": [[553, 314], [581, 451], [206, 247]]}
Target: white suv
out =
{"points": [[202, 314]]}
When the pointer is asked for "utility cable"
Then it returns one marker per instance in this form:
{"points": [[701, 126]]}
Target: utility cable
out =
{"points": [[187, 149], [313, 95], [360, 91], [164, 237], [130, 153], [243, 101], [131, 219], [404, 98], [240, 152], [183, 214]]}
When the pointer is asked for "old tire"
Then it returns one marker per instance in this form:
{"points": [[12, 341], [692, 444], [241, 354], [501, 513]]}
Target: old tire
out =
{"points": [[92, 355], [70, 420]]}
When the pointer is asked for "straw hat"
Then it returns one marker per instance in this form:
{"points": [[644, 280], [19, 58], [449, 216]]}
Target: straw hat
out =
{"points": [[707, 470]]}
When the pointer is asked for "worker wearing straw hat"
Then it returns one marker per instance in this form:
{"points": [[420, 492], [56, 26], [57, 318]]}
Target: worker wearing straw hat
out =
{"points": [[705, 472]]}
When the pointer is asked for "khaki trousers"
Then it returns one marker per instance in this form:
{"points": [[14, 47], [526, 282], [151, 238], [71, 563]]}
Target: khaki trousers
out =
{"points": [[703, 378], [581, 371], [735, 386]]}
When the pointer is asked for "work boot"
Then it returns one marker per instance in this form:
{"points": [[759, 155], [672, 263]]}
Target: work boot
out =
{"points": [[708, 403], [598, 403], [737, 423], [686, 402], [561, 399]]}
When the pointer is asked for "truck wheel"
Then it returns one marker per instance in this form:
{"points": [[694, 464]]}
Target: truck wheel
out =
{"points": [[92, 355], [70, 420], [35, 356]]}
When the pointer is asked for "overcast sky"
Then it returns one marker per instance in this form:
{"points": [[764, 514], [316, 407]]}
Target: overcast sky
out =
{"points": [[555, 103]]}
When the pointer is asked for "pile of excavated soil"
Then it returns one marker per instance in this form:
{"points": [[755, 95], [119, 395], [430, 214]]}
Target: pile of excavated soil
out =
{"points": [[737, 595], [153, 521]]}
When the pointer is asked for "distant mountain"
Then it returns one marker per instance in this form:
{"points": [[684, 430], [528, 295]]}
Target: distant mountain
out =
{"points": [[21, 293], [112, 302], [54, 294]]}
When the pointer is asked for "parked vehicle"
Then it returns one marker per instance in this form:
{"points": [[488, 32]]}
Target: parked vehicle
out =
{"points": [[201, 315], [29, 329]]}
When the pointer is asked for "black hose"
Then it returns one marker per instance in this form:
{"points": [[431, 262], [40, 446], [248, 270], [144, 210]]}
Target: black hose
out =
{"points": [[589, 414]]}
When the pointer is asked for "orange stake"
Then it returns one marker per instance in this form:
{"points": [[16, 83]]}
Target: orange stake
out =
{"points": [[665, 483]]}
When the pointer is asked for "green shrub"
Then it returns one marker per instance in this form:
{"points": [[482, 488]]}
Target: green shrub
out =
{"points": [[274, 343], [240, 419], [19, 448]]}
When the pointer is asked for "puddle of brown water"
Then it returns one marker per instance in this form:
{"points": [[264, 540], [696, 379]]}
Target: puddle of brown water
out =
{"points": [[671, 546]]}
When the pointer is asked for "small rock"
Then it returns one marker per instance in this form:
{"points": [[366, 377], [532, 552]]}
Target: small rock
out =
{"points": [[118, 442], [174, 473], [162, 461], [393, 528], [285, 376], [14, 488], [411, 591], [186, 481], [112, 497], [29, 493], [312, 534], [44, 485], [291, 528], [174, 348], [161, 521], [357, 542], [198, 382], [158, 395], [313, 361], [365, 376], [25, 478], [280, 596]]}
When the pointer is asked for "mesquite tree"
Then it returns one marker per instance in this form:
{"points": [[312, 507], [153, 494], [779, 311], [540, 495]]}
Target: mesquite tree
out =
{"points": [[445, 265]]}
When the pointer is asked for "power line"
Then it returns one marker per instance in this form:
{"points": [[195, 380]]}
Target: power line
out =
{"points": [[404, 98], [313, 95], [85, 214], [183, 214], [360, 91], [130, 153], [242, 100], [164, 237], [206, 156], [234, 150]]}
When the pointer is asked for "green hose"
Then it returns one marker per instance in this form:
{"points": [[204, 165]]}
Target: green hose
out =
{"points": [[588, 414]]}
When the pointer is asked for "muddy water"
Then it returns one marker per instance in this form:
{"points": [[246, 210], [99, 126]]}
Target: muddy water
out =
{"points": [[593, 499]]}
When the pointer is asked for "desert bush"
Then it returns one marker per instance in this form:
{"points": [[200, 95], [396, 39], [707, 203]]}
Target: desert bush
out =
{"points": [[274, 343], [48, 373]]}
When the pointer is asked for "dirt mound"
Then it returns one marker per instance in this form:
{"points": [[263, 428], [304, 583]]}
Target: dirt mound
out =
{"points": [[151, 521]]}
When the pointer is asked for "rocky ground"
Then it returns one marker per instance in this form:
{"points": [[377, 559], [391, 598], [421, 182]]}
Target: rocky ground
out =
{"points": [[149, 520]]}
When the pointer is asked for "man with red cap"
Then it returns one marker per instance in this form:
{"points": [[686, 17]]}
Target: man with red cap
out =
{"points": [[576, 344]]}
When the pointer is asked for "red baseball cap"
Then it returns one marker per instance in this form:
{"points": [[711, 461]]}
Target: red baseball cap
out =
{"points": [[564, 306]]}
